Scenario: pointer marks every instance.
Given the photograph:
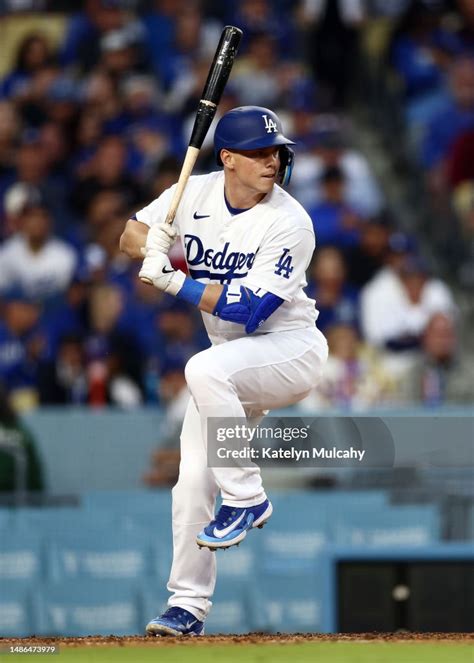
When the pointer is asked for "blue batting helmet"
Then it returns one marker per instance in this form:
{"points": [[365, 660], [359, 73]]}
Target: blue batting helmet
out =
{"points": [[250, 128]]}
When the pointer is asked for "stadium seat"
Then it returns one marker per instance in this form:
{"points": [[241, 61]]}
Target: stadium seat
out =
{"points": [[54, 522], [290, 603], [231, 607], [5, 519], [295, 534], [114, 555], [161, 557], [146, 510], [18, 617], [238, 565], [403, 525], [79, 608], [129, 502], [21, 557]]}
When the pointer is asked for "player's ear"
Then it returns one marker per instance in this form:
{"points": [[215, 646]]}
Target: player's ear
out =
{"points": [[227, 159]]}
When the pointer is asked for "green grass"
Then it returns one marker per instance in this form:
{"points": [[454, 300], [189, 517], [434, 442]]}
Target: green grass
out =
{"points": [[337, 652]]}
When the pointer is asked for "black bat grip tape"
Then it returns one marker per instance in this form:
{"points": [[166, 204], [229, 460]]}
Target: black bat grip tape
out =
{"points": [[204, 117]]}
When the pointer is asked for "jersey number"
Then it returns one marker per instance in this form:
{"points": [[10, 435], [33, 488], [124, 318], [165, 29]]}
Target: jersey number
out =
{"points": [[283, 266]]}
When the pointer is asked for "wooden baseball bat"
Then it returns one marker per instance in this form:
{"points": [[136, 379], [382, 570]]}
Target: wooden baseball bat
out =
{"points": [[216, 81]]}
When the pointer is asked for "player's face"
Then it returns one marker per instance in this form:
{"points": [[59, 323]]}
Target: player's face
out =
{"points": [[257, 169]]}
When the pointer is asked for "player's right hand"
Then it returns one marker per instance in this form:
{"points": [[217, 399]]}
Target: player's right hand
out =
{"points": [[160, 238]]}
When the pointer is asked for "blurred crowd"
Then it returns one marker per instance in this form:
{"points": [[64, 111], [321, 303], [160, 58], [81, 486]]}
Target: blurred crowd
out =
{"points": [[95, 117]]}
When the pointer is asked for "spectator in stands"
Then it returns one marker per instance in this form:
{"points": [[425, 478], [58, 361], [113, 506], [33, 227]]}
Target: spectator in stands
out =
{"points": [[143, 309], [61, 104], [69, 317], [334, 221], [444, 128], [440, 375], [336, 300], [159, 25], [101, 97], [184, 95], [330, 148], [16, 443], [165, 175], [34, 260], [151, 133], [460, 161], [33, 54], [397, 304], [16, 199], [63, 379], [34, 167], [114, 357], [177, 326], [90, 136], [463, 204], [254, 78], [106, 170], [81, 46], [104, 208], [55, 139], [21, 345], [304, 118], [30, 163], [298, 94], [9, 134], [32, 106], [366, 258], [465, 30], [120, 55], [194, 38], [256, 17], [106, 264], [332, 46], [174, 396], [421, 52], [463, 199], [354, 377]]}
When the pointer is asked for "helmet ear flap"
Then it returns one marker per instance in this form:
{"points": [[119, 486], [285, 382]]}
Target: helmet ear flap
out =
{"points": [[287, 157]]}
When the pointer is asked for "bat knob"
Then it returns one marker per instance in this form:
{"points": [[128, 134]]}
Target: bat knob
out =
{"points": [[144, 279]]}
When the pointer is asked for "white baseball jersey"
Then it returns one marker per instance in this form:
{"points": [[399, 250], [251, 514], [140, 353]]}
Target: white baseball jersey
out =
{"points": [[41, 274], [268, 246]]}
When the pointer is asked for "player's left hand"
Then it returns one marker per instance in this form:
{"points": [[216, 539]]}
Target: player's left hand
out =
{"points": [[157, 269], [160, 239]]}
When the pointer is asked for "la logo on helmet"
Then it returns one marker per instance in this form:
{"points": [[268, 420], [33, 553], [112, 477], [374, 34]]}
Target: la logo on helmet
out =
{"points": [[270, 125]]}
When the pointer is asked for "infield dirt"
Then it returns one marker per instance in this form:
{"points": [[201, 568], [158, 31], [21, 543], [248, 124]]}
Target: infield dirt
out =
{"points": [[252, 638]]}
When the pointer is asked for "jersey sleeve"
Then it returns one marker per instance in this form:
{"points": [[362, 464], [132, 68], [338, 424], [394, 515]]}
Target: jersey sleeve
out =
{"points": [[157, 210], [281, 262]]}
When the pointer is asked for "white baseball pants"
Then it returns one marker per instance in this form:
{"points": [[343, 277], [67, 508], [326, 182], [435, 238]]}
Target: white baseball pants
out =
{"points": [[238, 378]]}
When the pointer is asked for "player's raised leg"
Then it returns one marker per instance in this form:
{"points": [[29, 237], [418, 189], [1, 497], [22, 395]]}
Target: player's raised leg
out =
{"points": [[259, 372]]}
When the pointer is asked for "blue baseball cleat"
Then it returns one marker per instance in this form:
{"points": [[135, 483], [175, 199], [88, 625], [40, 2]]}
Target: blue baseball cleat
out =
{"points": [[231, 524], [175, 621]]}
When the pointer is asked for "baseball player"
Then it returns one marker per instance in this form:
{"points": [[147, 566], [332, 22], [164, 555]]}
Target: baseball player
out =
{"points": [[247, 244]]}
